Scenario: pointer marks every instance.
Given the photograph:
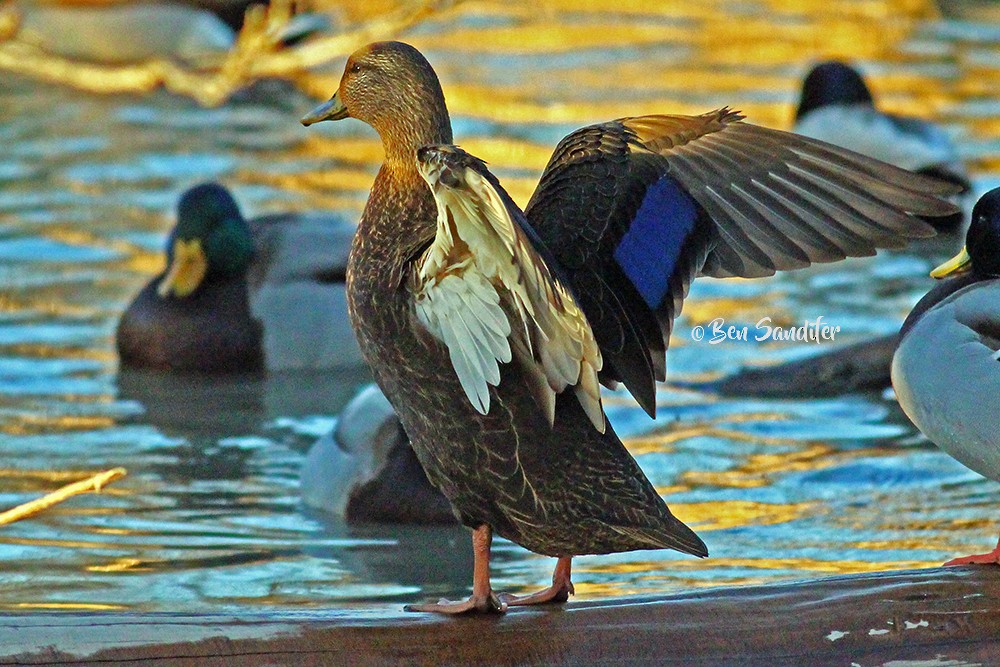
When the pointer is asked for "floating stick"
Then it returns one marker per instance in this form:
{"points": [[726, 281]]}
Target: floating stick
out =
{"points": [[92, 484]]}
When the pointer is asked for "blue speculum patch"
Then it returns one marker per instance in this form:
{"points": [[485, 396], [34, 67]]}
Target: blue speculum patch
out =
{"points": [[650, 248]]}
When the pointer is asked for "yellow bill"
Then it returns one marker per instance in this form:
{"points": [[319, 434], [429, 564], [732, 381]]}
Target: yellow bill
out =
{"points": [[186, 271], [960, 263]]}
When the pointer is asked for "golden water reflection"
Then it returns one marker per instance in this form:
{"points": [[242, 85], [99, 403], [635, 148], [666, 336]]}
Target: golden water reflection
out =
{"points": [[66, 606], [25, 424], [724, 514]]}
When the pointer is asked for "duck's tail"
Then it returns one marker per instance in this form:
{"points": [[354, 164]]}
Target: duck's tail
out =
{"points": [[671, 534]]}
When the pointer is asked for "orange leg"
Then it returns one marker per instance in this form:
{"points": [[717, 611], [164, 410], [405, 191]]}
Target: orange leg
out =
{"points": [[559, 591], [991, 558], [483, 599]]}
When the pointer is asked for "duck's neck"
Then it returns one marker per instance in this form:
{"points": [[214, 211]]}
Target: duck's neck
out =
{"points": [[400, 217], [936, 295], [229, 249], [398, 222], [405, 133], [400, 198]]}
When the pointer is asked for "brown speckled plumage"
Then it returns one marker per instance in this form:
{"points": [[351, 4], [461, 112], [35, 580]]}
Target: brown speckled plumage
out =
{"points": [[567, 489], [559, 491]]}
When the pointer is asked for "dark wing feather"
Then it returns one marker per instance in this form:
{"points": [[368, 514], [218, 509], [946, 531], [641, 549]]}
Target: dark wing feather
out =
{"points": [[590, 194], [781, 201], [716, 196]]}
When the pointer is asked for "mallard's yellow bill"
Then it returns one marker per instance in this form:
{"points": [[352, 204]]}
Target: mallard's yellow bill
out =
{"points": [[960, 263], [186, 271]]}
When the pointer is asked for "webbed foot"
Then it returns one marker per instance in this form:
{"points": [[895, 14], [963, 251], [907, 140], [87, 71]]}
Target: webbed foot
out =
{"points": [[483, 599], [557, 593], [550, 595], [991, 558], [489, 604]]}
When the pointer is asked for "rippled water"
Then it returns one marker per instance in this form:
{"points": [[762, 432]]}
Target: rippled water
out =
{"points": [[209, 516]]}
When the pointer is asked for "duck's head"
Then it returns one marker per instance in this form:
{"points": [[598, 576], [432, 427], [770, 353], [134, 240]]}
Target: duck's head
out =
{"points": [[392, 87], [210, 241], [829, 83], [981, 254]]}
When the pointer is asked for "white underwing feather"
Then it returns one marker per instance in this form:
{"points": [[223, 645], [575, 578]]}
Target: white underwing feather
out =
{"points": [[480, 271], [473, 348]]}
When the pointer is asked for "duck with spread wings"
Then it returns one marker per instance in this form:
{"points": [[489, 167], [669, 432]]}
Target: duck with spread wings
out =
{"points": [[489, 330]]}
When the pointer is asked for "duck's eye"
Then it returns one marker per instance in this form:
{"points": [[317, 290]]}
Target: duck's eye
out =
{"points": [[355, 68]]}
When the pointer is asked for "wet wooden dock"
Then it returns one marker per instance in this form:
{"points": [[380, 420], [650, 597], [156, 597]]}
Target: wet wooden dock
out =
{"points": [[946, 617]]}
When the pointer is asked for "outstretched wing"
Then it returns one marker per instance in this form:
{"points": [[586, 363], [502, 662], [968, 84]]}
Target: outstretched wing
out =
{"points": [[485, 292], [635, 208]]}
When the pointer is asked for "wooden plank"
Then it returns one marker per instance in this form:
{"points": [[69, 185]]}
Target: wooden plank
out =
{"points": [[943, 617]]}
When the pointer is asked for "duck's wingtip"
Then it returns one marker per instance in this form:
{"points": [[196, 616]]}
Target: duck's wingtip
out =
{"points": [[729, 115]]}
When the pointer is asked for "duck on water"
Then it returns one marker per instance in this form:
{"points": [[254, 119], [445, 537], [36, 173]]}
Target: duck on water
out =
{"points": [[946, 371], [243, 295], [583, 287]]}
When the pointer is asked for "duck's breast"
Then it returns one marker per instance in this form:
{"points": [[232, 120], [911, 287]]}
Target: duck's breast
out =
{"points": [[946, 375]]}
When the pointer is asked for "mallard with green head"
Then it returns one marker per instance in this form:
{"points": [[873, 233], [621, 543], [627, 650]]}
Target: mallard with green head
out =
{"points": [[489, 330], [946, 370], [241, 295]]}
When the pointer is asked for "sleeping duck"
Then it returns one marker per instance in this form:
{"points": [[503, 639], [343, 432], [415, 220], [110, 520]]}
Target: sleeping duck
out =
{"points": [[364, 471], [241, 295], [490, 329], [946, 371], [191, 31]]}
